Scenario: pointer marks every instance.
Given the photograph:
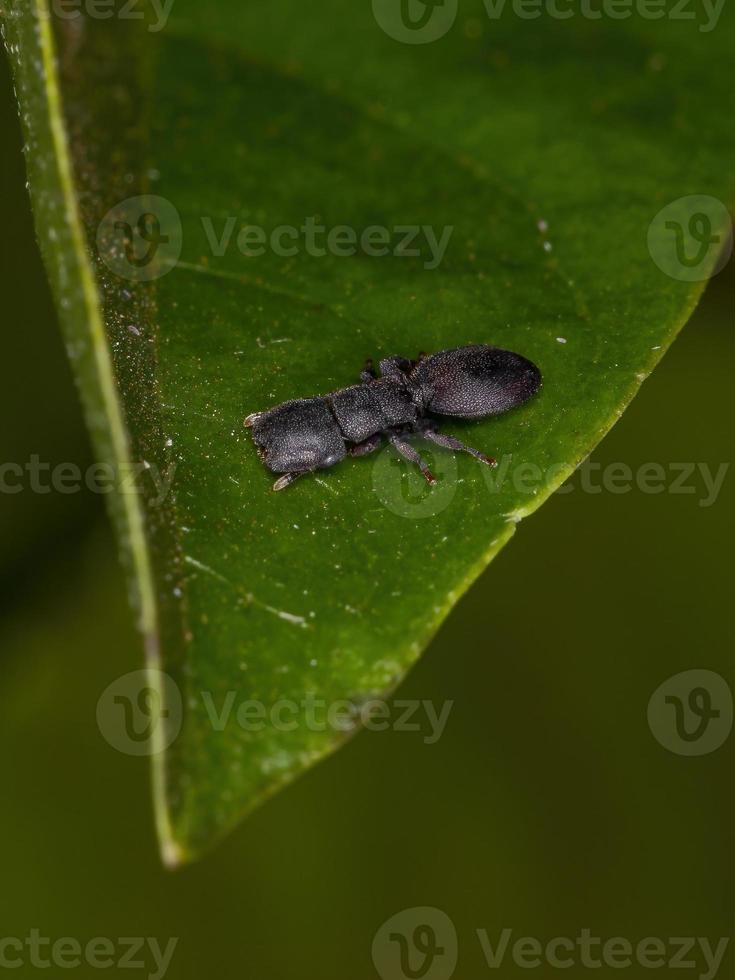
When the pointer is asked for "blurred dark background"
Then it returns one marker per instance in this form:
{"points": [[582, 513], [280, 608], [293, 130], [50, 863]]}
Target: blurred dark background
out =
{"points": [[546, 807]]}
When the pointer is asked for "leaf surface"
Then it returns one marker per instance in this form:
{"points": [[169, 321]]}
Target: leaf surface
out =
{"points": [[546, 148]]}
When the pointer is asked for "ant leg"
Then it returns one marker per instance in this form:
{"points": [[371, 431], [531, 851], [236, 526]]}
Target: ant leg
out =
{"points": [[368, 373], [368, 446], [449, 442], [409, 453], [395, 367], [285, 481]]}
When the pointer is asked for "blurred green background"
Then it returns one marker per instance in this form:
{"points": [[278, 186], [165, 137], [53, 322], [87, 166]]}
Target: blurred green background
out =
{"points": [[546, 807]]}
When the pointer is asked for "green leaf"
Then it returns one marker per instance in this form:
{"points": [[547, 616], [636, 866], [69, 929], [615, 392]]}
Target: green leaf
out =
{"points": [[548, 147]]}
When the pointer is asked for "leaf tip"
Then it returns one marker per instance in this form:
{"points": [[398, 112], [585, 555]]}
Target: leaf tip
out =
{"points": [[173, 855]]}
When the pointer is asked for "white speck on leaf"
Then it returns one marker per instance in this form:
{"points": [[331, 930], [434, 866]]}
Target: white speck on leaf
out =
{"points": [[249, 597]]}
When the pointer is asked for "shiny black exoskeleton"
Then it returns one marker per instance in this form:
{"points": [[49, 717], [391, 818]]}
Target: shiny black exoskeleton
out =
{"points": [[474, 382]]}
